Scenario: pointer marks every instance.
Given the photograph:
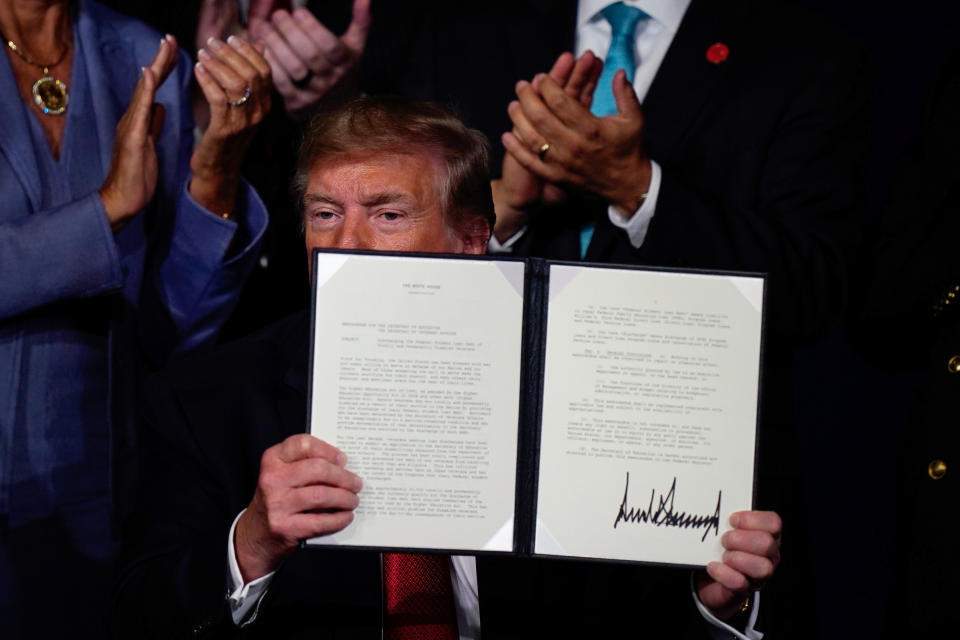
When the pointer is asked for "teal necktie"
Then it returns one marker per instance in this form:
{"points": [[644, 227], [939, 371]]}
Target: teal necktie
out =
{"points": [[623, 22]]}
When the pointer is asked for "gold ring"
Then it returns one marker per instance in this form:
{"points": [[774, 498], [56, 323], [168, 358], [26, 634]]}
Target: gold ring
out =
{"points": [[242, 100], [542, 151]]}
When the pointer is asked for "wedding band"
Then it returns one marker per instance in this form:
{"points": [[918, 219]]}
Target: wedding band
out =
{"points": [[542, 151], [242, 100], [303, 82]]}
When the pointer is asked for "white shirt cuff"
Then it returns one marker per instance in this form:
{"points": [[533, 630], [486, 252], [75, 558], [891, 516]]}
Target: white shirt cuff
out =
{"points": [[244, 599], [636, 225], [720, 630], [495, 246]]}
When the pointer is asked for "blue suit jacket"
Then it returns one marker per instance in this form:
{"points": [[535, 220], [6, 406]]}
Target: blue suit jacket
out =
{"points": [[173, 272]]}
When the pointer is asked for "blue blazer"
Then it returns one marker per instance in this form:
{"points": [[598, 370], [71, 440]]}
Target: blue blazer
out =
{"points": [[174, 271]]}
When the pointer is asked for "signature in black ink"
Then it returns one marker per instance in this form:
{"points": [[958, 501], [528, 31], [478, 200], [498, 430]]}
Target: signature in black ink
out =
{"points": [[665, 515]]}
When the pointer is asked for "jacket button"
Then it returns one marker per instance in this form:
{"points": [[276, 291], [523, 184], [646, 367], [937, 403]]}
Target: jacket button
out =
{"points": [[953, 364], [937, 469]]}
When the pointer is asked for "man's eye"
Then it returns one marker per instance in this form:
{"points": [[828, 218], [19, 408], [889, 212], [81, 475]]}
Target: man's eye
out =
{"points": [[390, 216], [323, 215]]}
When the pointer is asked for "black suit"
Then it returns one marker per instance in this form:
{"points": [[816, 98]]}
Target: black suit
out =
{"points": [[207, 424]]}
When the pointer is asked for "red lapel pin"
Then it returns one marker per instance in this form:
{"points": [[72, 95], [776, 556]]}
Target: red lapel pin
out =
{"points": [[718, 52]]}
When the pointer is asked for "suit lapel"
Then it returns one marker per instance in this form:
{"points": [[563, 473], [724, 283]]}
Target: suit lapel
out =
{"points": [[686, 80], [605, 237], [15, 143], [113, 74]]}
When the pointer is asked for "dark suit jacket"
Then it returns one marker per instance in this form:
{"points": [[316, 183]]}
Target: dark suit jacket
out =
{"points": [[207, 423], [910, 323]]}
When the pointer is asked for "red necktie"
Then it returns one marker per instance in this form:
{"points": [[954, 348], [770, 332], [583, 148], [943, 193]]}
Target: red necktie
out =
{"points": [[419, 598]]}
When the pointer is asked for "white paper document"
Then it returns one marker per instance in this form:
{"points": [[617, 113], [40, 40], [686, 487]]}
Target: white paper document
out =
{"points": [[625, 398], [649, 413], [415, 375]]}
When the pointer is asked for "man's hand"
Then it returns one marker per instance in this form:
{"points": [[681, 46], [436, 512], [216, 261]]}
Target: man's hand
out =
{"points": [[226, 72], [752, 554], [303, 491], [603, 156], [132, 177], [518, 190], [307, 60]]}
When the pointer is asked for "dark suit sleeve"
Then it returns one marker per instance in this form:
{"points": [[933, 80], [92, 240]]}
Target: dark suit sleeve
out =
{"points": [[173, 576]]}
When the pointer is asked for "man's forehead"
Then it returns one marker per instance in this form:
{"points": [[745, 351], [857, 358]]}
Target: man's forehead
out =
{"points": [[412, 162], [376, 177]]}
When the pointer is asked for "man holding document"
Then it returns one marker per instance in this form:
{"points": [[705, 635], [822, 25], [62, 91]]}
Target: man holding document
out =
{"points": [[232, 485]]}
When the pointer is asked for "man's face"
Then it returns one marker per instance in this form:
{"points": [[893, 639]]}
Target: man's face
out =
{"points": [[380, 202]]}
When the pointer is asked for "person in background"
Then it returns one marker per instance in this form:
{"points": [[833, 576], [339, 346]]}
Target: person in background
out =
{"points": [[122, 246]]}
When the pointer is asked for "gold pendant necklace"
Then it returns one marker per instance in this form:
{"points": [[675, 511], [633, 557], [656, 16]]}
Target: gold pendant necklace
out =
{"points": [[49, 93]]}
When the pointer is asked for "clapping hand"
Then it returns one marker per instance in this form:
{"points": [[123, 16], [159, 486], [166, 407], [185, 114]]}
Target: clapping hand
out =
{"points": [[133, 173], [308, 61], [519, 190], [599, 155], [235, 81]]}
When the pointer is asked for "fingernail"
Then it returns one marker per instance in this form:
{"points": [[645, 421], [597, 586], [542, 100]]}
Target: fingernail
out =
{"points": [[735, 520], [539, 77], [203, 55], [522, 84], [341, 459], [200, 68], [168, 37], [163, 41], [357, 484], [726, 555], [214, 43], [143, 70], [233, 40]]}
